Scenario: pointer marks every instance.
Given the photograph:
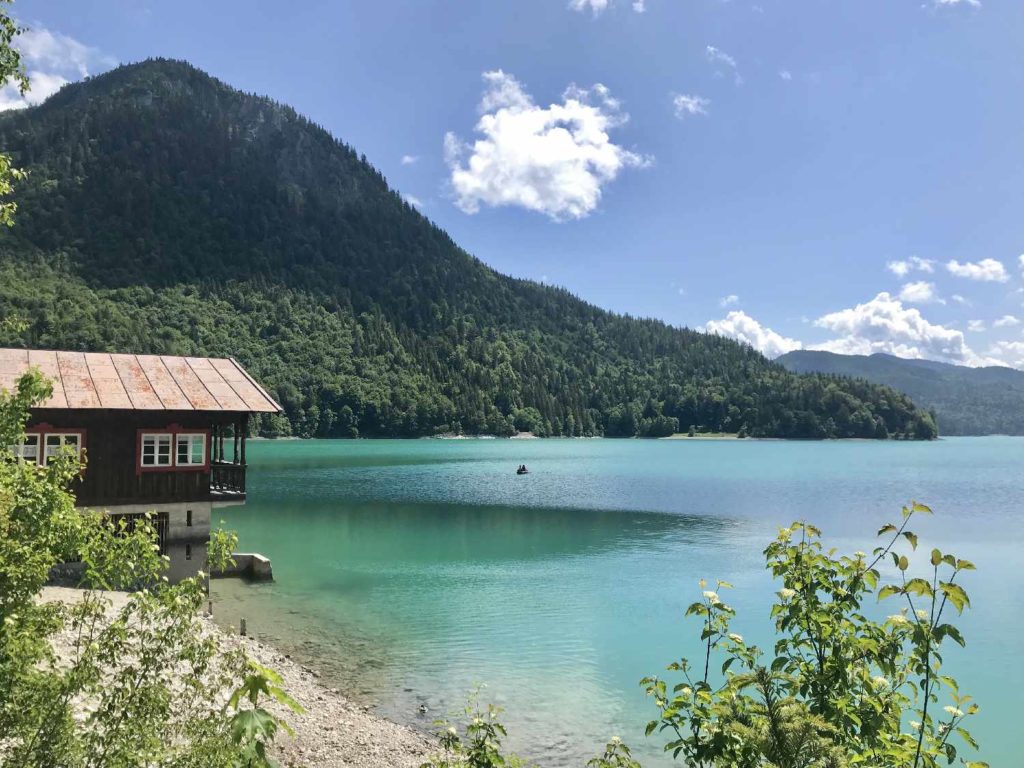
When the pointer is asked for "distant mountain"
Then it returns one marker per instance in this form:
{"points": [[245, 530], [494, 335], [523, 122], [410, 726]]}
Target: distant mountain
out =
{"points": [[966, 401], [167, 212]]}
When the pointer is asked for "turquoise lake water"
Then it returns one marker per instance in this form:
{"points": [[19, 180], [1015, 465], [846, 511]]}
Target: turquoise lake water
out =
{"points": [[409, 572]]}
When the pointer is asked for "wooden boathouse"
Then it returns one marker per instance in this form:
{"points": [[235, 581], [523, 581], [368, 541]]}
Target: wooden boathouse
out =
{"points": [[158, 434]]}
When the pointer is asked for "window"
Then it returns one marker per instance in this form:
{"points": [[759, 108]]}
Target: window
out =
{"points": [[172, 448], [188, 551], [27, 449], [156, 450], [42, 444], [191, 450], [56, 442], [188, 518]]}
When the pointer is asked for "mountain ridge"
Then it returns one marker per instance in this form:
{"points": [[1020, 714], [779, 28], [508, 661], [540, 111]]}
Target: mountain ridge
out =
{"points": [[168, 212]]}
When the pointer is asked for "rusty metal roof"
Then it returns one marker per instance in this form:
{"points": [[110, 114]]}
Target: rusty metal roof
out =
{"points": [[139, 382]]}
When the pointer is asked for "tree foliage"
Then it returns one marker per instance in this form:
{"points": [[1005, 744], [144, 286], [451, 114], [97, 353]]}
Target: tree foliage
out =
{"points": [[168, 213], [12, 72]]}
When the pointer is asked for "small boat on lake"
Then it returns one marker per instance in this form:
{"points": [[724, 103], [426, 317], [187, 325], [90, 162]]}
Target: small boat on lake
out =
{"points": [[522, 470]]}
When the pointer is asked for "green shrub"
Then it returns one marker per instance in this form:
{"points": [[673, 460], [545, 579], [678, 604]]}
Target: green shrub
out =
{"points": [[478, 746], [840, 688]]}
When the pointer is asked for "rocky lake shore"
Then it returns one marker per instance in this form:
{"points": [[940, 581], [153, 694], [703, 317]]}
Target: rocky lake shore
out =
{"points": [[332, 732]]}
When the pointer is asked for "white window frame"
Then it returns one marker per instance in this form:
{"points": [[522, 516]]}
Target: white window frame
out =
{"points": [[157, 438], [19, 449], [45, 454], [190, 439]]}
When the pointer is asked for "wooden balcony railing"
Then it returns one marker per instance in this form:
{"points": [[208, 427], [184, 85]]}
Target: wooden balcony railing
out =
{"points": [[227, 478]]}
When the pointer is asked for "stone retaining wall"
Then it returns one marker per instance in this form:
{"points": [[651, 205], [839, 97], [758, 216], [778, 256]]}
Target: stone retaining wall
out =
{"points": [[248, 565]]}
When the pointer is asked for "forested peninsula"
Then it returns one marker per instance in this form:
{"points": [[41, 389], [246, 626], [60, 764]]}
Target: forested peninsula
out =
{"points": [[165, 212], [966, 401]]}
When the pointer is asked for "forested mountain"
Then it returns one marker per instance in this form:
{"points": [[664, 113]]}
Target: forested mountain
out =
{"points": [[966, 401], [166, 212]]}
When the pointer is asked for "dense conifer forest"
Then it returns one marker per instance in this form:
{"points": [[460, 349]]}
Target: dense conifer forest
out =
{"points": [[166, 212], [966, 401]]}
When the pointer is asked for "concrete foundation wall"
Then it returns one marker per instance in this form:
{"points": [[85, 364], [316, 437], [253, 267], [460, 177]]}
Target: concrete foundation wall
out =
{"points": [[187, 559], [188, 533], [179, 517], [252, 566]]}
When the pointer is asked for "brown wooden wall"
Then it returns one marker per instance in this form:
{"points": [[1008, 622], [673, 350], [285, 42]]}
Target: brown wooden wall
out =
{"points": [[111, 447]]}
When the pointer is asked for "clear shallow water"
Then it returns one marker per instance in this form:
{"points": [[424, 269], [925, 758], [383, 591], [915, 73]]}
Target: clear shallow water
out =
{"points": [[411, 571]]}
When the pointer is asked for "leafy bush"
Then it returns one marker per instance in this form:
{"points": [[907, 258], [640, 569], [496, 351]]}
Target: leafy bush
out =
{"points": [[841, 689], [479, 746]]}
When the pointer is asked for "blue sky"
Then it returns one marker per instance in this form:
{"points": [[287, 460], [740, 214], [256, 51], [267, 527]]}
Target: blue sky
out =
{"points": [[845, 174]]}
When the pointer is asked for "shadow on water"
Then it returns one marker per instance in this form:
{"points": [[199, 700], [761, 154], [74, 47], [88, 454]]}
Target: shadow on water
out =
{"points": [[381, 535]]}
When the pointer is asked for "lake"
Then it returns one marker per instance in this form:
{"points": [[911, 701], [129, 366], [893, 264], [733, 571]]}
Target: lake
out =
{"points": [[410, 572]]}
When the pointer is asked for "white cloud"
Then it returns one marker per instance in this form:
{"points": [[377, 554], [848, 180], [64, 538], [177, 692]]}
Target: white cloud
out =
{"points": [[899, 268], [919, 292], [51, 61], [597, 6], [1020, 260], [1009, 353], [728, 301], [409, 159], [718, 56], [972, 3], [742, 327], [976, 326], [554, 160], [986, 270], [1006, 321], [723, 63], [904, 267], [885, 325], [686, 105], [961, 300], [412, 200], [785, 74]]}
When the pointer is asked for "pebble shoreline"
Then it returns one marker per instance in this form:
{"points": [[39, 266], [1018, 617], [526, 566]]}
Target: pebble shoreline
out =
{"points": [[332, 732]]}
